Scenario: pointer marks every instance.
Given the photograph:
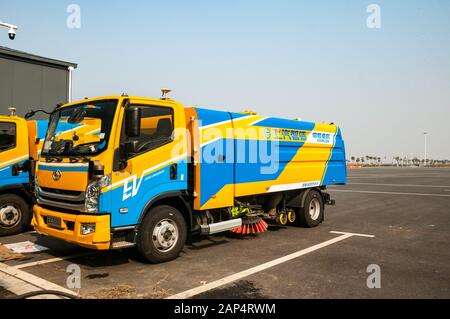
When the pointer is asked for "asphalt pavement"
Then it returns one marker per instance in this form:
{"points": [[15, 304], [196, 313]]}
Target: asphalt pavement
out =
{"points": [[394, 219]]}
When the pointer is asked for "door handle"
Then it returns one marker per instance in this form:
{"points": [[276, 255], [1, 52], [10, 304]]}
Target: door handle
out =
{"points": [[20, 168], [173, 171]]}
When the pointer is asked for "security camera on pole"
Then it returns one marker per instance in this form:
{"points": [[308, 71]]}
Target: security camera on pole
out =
{"points": [[12, 29]]}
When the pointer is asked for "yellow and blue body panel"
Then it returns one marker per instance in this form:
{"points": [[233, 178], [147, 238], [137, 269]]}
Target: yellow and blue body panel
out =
{"points": [[245, 154], [16, 155], [26, 146]]}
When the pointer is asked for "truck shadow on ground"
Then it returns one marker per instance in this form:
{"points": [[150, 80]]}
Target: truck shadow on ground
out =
{"points": [[107, 258], [99, 259]]}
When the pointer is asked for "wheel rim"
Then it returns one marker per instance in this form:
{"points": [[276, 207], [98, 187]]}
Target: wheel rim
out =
{"points": [[9, 216], [165, 235], [283, 219], [291, 217], [314, 209]]}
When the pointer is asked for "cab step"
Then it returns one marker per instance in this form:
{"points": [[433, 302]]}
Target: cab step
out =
{"points": [[122, 244]]}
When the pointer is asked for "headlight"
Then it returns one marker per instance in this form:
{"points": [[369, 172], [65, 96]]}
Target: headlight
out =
{"points": [[93, 193]]}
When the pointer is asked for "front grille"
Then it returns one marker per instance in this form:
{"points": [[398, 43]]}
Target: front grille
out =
{"points": [[61, 191], [72, 200]]}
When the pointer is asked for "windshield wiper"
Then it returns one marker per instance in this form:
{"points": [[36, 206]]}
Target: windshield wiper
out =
{"points": [[76, 153], [50, 158]]}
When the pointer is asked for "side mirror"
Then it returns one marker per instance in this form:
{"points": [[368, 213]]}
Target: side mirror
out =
{"points": [[120, 159], [133, 121]]}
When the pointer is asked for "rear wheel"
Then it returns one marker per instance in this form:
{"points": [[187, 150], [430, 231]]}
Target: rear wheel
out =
{"points": [[311, 214], [162, 234], [15, 214]]}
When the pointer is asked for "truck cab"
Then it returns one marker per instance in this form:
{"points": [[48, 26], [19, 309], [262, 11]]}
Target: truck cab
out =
{"points": [[88, 179], [19, 147]]}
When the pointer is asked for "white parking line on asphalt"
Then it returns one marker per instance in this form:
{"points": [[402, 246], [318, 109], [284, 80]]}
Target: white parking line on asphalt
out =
{"points": [[395, 176], [16, 286], [19, 281], [386, 193], [354, 234], [254, 270], [52, 260], [400, 185]]}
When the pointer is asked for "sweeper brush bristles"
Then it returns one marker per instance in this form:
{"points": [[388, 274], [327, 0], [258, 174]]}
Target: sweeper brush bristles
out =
{"points": [[252, 226]]}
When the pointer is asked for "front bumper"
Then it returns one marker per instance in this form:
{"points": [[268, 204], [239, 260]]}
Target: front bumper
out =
{"points": [[70, 228]]}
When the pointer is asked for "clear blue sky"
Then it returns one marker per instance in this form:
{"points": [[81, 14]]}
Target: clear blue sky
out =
{"points": [[311, 59]]}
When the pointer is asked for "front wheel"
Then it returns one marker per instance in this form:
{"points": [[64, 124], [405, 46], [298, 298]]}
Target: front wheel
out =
{"points": [[15, 214], [162, 234], [311, 214]]}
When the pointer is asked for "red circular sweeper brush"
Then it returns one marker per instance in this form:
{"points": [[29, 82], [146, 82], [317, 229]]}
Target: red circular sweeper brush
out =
{"points": [[250, 226]]}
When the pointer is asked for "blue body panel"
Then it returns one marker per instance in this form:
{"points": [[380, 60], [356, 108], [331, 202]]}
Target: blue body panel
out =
{"points": [[322, 162], [7, 179], [336, 170], [41, 127], [148, 187]]}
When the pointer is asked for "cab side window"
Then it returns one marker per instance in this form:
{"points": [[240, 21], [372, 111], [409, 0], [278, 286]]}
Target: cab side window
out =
{"points": [[7, 136], [156, 128]]}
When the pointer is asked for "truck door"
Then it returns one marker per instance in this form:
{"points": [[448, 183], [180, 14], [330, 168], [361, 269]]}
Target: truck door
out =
{"points": [[214, 176], [157, 167], [13, 152]]}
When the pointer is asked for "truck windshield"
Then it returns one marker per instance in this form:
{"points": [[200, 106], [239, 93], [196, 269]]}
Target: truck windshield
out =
{"points": [[80, 130]]}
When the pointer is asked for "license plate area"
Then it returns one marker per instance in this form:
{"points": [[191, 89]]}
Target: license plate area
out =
{"points": [[54, 222]]}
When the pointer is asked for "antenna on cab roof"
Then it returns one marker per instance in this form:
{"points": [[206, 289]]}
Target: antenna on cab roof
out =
{"points": [[164, 93], [12, 111], [249, 112]]}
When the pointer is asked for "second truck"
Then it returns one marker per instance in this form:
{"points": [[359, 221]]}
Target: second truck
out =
{"points": [[152, 173], [20, 144]]}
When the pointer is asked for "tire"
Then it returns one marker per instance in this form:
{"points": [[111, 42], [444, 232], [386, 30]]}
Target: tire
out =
{"points": [[311, 215], [162, 234], [15, 214]]}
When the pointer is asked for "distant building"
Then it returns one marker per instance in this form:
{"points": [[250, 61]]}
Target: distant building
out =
{"points": [[29, 81]]}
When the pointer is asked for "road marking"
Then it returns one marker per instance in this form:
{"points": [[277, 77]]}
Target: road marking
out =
{"points": [[388, 193], [51, 260], [11, 277], [254, 270], [353, 234], [406, 185], [395, 176], [16, 286]]}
